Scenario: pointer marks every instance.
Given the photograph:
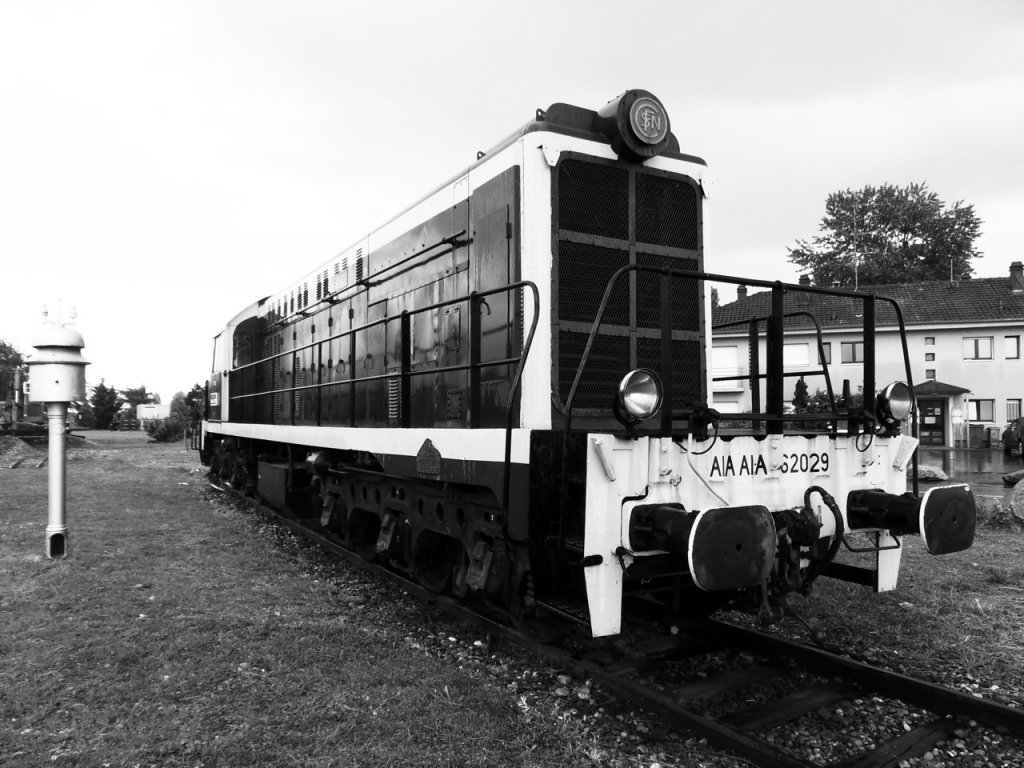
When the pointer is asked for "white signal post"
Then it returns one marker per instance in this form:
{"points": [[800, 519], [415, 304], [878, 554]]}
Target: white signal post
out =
{"points": [[56, 378]]}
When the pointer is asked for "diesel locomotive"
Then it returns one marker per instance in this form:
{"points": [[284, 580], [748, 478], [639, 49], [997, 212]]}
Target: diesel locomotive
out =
{"points": [[504, 392]]}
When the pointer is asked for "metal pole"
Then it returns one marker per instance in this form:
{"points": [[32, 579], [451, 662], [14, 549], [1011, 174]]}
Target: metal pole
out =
{"points": [[57, 529], [57, 376]]}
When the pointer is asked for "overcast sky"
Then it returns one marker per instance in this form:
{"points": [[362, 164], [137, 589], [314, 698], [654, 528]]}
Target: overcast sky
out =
{"points": [[165, 164]]}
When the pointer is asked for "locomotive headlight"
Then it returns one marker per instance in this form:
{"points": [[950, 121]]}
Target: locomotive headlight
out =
{"points": [[895, 403], [639, 395]]}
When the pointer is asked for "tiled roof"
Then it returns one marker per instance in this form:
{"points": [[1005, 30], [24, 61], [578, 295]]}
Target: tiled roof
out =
{"points": [[938, 302]]}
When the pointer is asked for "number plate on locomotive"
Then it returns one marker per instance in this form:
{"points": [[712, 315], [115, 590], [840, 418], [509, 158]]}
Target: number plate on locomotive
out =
{"points": [[792, 463]]}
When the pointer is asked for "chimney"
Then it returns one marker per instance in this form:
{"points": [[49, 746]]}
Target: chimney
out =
{"points": [[741, 292], [804, 299], [1017, 277]]}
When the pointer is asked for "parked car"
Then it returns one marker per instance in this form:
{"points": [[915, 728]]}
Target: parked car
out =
{"points": [[1013, 435]]}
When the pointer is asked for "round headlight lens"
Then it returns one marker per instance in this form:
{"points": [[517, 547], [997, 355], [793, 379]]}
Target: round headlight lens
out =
{"points": [[895, 402], [640, 394]]}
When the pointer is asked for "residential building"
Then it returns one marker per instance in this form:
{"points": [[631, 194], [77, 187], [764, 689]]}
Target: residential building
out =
{"points": [[963, 348]]}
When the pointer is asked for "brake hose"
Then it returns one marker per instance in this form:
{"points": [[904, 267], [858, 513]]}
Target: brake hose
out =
{"points": [[816, 568]]}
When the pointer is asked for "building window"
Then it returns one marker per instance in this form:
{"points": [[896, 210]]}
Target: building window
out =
{"points": [[929, 357], [929, 373], [929, 341], [981, 410], [825, 354], [725, 361], [795, 355], [1013, 409], [725, 358], [1012, 344], [977, 347], [852, 351]]}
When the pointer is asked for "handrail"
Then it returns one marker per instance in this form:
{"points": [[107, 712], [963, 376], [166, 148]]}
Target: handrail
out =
{"points": [[375, 377], [476, 299], [910, 383], [478, 295], [775, 334], [777, 289], [513, 389], [834, 414], [823, 371]]}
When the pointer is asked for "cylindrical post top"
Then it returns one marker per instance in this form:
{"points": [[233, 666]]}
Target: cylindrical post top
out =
{"points": [[57, 336], [57, 369]]}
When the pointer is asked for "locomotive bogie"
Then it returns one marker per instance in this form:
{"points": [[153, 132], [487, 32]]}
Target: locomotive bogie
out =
{"points": [[451, 536]]}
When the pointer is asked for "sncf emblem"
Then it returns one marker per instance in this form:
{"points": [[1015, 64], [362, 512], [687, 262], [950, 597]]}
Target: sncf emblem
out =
{"points": [[649, 120]]}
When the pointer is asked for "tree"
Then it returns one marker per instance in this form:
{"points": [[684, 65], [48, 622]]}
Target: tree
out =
{"points": [[195, 398], [179, 407], [9, 356], [86, 415], [799, 400], [890, 234], [105, 404], [139, 396], [10, 361], [176, 424]]}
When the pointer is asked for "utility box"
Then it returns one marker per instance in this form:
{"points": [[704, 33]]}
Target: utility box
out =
{"points": [[995, 437], [976, 436]]}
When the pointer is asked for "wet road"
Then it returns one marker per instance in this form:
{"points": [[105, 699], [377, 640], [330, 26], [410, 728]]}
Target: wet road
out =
{"points": [[981, 468]]}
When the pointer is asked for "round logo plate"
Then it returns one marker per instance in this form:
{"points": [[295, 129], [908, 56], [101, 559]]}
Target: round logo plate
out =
{"points": [[649, 120]]}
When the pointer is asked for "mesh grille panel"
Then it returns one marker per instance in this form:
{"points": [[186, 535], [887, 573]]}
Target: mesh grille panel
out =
{"points": [[608, 362], [666, 211], [685, 296], [583, 273], [593, 199], [601, 224], [687, 378]]}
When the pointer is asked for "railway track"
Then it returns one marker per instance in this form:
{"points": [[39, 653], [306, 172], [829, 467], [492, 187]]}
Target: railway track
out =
{"points": [[745, 691]]}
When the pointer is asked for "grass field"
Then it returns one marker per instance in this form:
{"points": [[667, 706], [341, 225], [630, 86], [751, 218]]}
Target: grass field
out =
{"points": [[956, 619], [182, 631]]}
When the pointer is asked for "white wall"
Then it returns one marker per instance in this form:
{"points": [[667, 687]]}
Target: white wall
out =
{"points": [[999, 379]]}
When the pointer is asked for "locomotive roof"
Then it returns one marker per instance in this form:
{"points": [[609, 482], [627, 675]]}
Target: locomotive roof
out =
{"points": [[560, 118], [570, 120]]}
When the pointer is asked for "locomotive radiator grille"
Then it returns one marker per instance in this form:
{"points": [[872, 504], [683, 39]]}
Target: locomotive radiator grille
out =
{"points": [[666, 211], [609, 215], [586, 286]]}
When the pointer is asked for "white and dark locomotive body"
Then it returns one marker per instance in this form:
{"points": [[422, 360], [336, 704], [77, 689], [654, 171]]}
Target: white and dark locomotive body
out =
{"points": [[504, 391]]}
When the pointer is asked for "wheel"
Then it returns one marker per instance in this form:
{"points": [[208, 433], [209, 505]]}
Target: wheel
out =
{"points": [[436, 560], [363, 530], [239, 476]]}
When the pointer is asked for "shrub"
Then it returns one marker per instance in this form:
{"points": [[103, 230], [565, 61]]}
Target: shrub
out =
{"points": [[166, 430]]}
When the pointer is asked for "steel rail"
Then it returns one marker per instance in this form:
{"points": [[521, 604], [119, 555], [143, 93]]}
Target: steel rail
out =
{"points": [[726, 737], [718, 635], [935, 698]]}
